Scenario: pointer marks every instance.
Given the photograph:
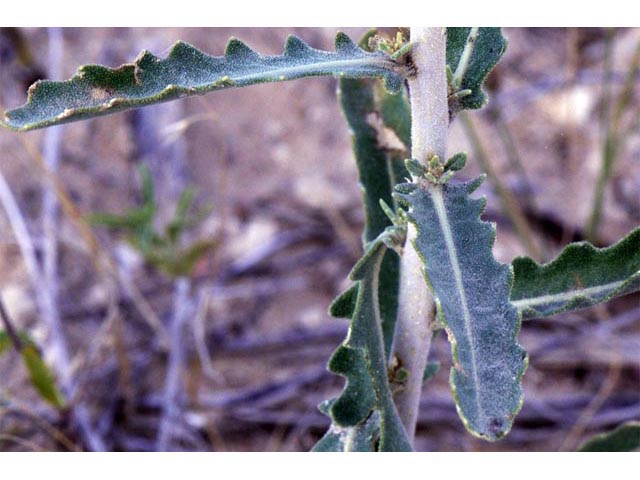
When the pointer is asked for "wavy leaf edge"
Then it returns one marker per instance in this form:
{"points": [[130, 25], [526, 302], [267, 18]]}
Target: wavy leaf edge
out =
{"points": [[572, 257], [96, 90], [488, 418]]}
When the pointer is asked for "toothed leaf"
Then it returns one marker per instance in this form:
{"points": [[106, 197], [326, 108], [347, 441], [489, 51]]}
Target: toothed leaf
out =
{"points": [[484, 53], [361, 359], [580, 277], [358, 397], [41, 377], [345, 303], [472, 290], [380, 125], [625, 438], [96, 90]]}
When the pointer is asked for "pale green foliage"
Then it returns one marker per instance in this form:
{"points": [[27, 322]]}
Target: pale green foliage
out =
{"points": [[361, 359], [471, 55], [480, 302], [40, 376], [164, 250], [96, 90], [580, 277], [472, 294]]}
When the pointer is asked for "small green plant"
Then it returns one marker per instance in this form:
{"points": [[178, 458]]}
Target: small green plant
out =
{"points": [[40, 376], [163, 250], [427, 263]]}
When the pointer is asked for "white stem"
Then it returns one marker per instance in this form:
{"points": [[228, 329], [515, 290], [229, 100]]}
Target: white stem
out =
{"points": [[412, 338], [429, 128], [428, 93]]}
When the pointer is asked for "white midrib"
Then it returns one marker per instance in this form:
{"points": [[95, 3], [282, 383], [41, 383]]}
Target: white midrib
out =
{"points": [[350, 442], [566, 296], [441, 211], [320, 66], [463, 63]]}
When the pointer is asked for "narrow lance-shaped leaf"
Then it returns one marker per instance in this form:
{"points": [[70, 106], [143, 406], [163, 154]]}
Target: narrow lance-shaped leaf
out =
{"points": [[96, 90], [471, 55], [625, 438], [379, 124], [472, 293], [580, 277], [41, 376], [361, 359]]}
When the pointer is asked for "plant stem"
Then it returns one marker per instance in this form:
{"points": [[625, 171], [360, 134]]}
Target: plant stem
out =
{"points": [[606, 134], [613, 142], [429, 129], [428, 94]]}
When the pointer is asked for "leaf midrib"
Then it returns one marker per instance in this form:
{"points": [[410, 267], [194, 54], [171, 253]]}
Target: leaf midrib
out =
{"points": [[525, 303], [329, 65], [443, 219]]}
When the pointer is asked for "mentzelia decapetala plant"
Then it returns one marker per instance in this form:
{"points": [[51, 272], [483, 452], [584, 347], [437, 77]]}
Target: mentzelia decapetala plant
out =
{"points": [[427, 262]]}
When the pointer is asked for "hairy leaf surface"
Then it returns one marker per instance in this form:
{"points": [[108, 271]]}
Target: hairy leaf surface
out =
{"points": [[97, 90], [625, 438], [380, 126], [580, 277], [472, 292], [472, 54], [361, 359]]}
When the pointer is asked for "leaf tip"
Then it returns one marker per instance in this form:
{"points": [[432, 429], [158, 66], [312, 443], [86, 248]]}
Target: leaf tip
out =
{"points": [[295, 47], [238, 49]]}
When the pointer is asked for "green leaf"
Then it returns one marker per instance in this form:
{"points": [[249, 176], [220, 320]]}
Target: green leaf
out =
{"points": [[380, 126], [471, 55], [430, 371], [345, 304], [361, 359], [137, 218], [380, 167], [625, 438], [361, 438], [472, 294], [5, 342], [358, 398], [96, 90], [581, 276], [41, 377]]}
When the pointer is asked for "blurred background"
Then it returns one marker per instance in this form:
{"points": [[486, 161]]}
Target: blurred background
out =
{"points": [[168, 270]]}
